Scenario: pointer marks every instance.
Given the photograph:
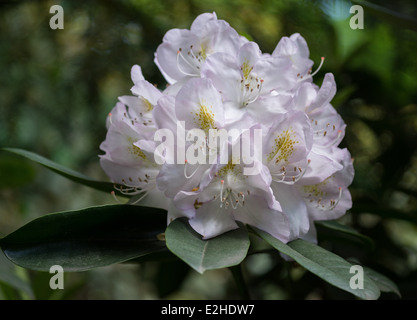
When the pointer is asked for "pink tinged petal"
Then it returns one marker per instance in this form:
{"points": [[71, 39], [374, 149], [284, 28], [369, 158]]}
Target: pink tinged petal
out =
{"points": [[331, 198], [286, 147], [234, 184], [136, 116], [140, 177], [295, 47], [249, 54], [168, 78], [211, 221], [301, 44], [147, 147], [155, 199], [328, 126], [311, 235], [224, 72], [322, 165], [175, 213], [294, 207], [172, 89], [346, 175], [257, 213], [116, 114], [285, 47], [288, 140], [199, 105], [119, 148], [276, 74], [136, 106], [331, 205], [242, 41], [173, 178], [219, 36], [187, 202], [147, 92], [167, 59], [136, 74], [201, 20], [236, 117], [325, 94], [164, 114], [269, 109], [304, 97]]}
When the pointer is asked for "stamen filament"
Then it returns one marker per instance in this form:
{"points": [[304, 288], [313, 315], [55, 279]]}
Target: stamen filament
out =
{"points": [[258, 93], [314, 73], [333, 203], [179, 68], [185, 171]]}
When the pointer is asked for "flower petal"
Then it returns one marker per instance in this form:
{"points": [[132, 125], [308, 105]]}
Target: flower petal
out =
{"points": [[211, 221], [199, 105], [257, 213]]}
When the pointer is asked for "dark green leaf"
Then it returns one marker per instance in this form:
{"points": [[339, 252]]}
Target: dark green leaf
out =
{"points": [[226, 250], [328, 266], [384, 283], [346, 230], [64, 171], [88, 238]]}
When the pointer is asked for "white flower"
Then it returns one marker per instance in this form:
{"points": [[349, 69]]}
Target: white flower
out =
{"points": [[183, 52], [283, 169]]}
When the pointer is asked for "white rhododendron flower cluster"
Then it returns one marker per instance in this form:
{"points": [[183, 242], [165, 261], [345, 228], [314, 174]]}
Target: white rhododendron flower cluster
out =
{"points": [[278, 169]]}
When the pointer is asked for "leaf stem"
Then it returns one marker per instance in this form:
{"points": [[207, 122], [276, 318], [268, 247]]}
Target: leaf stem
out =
{"points": [[240, 282]]}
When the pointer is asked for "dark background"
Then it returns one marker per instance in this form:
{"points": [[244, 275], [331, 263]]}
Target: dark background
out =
{"points": [[57, 87]]}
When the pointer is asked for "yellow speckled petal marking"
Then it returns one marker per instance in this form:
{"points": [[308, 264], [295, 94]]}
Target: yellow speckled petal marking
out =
{"points": [[246, 69], [284, 146], [204, 118], [136, 151]]}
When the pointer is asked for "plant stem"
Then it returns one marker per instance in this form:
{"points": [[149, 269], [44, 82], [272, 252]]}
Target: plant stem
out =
{"points": [[240, 282]]}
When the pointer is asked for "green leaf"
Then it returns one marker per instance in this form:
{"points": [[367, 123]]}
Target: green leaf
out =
{"points": [[384, 283], [346, 230], [64, 171], [226, 250], [326, 265], [88, 238]]}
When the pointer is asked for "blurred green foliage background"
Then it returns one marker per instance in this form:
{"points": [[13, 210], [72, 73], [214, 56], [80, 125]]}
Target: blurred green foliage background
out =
{"points": [[57, 87]]}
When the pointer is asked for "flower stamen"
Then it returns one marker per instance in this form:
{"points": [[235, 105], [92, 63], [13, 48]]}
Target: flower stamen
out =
{"points": [[179, 54], [185, 171], [310, 75]]}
